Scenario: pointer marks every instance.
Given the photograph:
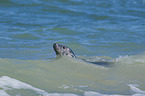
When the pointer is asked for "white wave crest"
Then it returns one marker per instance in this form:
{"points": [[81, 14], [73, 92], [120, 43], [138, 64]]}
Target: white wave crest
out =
{"points": [[3, 93], [133, 87], [7, 83]]}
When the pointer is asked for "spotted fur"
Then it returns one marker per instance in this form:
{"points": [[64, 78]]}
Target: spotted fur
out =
{"points": [[63, 50]]}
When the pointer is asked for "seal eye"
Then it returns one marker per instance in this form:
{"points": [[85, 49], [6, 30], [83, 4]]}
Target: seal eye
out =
{"points": [[63, 47]]}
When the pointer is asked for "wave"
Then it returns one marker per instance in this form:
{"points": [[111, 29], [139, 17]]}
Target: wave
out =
{"points": [[119, 61], [131, 60], [74, 77], [11, 84], [7, 83]]}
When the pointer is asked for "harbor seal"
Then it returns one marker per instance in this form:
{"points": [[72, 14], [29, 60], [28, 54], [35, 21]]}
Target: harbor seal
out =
{"points": [[62, 50]]}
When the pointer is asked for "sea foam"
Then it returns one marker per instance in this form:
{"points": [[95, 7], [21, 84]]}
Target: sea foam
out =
{"points": [[7, 83]]}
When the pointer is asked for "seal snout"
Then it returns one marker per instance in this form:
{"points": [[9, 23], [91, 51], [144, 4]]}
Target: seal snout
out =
{"points": [[55, 45]]}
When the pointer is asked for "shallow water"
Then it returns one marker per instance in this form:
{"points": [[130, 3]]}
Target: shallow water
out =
{"points": [[109, 31], [73, 77]]}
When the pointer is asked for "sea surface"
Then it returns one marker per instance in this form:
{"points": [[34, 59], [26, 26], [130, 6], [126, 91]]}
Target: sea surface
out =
{"points": [[108, 33]]}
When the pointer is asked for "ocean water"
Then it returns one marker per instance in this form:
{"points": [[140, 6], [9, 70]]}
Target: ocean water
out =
{"points": [[108, 32]]}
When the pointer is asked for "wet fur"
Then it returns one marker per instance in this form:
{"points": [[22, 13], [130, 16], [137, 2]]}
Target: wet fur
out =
{"points": [[62, 50]]}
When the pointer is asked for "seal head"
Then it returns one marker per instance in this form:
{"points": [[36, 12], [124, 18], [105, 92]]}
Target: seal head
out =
{"points": [[62, 50]]}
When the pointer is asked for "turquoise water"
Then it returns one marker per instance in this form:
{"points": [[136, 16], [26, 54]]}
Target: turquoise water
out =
{"points": [[96, 30], [92, 27]]}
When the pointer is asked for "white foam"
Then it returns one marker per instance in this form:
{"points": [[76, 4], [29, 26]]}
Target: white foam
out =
{"points": [[131, 59], [135, 89], [7, 83], [3, 93], [90, 93], [60, 94]]}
